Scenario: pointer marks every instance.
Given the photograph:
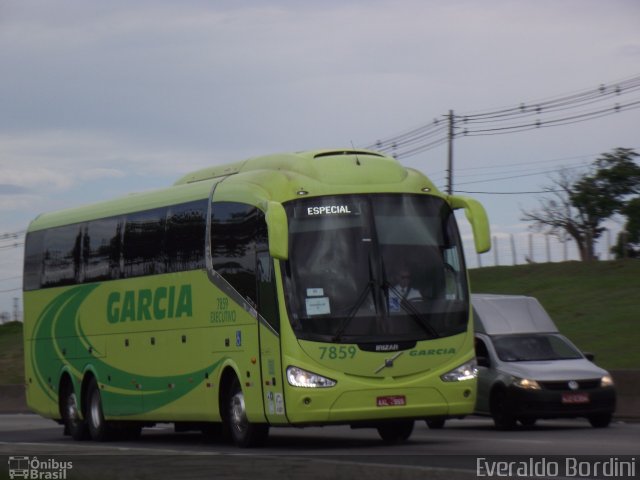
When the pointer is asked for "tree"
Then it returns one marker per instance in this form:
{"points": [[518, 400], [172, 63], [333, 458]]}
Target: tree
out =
{"points": [[628, 245], [579, 205]]}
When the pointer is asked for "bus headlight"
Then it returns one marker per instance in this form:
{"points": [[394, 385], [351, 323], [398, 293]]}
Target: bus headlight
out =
{"points": [[466, 371], [298, 377]]}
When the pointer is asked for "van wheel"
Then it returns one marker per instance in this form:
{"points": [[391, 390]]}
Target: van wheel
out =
{"points": [[600, 420], [243, 433], [528, 422], [74, 424], [99, 429], [435, 423], [395, 432], [501, 411]]}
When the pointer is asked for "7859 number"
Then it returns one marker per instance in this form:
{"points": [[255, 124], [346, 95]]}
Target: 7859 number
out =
{"points": [[338, 353]]}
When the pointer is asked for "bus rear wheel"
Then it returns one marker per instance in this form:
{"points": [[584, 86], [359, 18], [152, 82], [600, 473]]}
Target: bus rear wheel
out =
{"points": [[243, 432], [395, 432], [74, 424], [99, 428]]}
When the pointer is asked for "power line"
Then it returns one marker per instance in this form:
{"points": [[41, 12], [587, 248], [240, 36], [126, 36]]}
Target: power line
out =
{"points": [[579, 107], [10, 278], [12, 245], [5, 236], [531, 169], [11, 290], [508, 193]]}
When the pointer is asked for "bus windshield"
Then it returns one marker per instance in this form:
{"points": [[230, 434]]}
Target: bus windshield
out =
{"points": [[372, 268]]}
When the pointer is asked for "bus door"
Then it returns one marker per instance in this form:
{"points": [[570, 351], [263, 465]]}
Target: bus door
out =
{"points": [[269, 324]]}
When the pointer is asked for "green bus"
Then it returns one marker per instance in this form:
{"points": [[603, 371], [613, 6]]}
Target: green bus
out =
{"points": [[258, 294]]}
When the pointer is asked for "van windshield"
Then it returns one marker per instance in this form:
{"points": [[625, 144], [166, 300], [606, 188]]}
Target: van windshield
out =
{"points": [[534, 347], [367, 267]]}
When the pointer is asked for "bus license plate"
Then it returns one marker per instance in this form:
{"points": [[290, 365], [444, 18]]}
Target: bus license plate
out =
{"points": [[572, 398], [391, 401]]}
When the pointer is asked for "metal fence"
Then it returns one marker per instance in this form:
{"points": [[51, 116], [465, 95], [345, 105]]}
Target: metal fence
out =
{"points": [[525, 247]]}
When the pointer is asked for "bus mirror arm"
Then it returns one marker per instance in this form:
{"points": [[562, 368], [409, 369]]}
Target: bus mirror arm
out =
{"points": [[478, 219], [276, 219]]}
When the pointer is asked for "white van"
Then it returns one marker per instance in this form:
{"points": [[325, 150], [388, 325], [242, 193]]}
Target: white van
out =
{"points": [[527, 370]]}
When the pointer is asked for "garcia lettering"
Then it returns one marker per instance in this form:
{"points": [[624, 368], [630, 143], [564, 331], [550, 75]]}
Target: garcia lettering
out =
{"points": [[433, 351], [174, 301]]}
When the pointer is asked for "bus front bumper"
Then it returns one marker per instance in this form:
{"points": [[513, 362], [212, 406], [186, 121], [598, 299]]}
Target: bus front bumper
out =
{"points": [[313, 407]]}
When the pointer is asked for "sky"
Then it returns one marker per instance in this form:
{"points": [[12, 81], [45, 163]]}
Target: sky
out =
{"points": [[101, 99]]}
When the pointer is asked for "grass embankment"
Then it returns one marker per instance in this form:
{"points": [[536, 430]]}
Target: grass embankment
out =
{"points": [[11, 354], [595, 304]]}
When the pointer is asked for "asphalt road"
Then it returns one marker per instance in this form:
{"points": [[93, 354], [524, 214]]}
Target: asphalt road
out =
{"points": [[317, 453]]}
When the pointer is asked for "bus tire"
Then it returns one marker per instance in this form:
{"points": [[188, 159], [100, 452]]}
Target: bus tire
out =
{"points": [[243, 433], [99, 428], [395, 432], [71, 413]]}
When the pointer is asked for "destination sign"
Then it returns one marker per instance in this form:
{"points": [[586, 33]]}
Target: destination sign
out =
{"points": [[342, 209]]}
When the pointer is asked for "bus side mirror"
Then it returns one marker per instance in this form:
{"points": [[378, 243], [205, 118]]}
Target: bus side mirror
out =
{"points": [[478, 219], [276, 219]]}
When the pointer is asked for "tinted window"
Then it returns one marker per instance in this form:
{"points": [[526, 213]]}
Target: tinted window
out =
{"points": [[62, 250], [185, 236], [533, 347], [102, 248], [267, 293], [170, 239], [366, 267], [144, 243], [33, 260], [237, 229]]}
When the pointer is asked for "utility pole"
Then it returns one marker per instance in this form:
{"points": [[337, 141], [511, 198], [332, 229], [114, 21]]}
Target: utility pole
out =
{"points": [[15, 309], [450, 156]]}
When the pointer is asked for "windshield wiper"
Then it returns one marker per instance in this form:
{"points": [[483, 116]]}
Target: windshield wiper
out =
{"points": [[408, 307], [352, 313], [356, 306]]}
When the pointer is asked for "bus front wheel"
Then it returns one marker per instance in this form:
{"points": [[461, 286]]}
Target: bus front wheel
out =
{"points": [[243, 432], [395, 432]]}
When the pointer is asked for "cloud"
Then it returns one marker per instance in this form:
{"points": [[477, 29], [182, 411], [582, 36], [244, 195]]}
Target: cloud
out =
{"points": [[8, 189]]}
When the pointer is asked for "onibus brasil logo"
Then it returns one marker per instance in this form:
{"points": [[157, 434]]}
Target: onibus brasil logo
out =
{"points": [[36, 469]]}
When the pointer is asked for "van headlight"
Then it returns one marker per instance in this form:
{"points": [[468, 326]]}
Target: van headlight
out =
{"points": [[298, 377], [466, 371], [606, 381], [526, 384]]}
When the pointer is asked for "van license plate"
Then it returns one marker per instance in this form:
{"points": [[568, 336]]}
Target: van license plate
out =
{"points": [[573, 398], [391, 401]]}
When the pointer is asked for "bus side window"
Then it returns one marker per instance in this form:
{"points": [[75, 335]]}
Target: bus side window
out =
{"points": [[144, 243], [267, 292], [102, 247], [185, 236], [33, 257], [62, 252], [233, 245]]}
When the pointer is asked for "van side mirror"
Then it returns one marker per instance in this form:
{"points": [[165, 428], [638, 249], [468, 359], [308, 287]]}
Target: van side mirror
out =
{"points": [[478, 219], [278, 230], [589, 356]]}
